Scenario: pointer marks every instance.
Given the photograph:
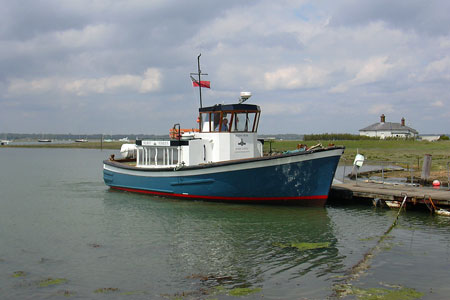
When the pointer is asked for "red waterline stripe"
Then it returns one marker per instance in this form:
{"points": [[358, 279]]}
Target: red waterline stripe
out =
{"points": [[319, 197]]}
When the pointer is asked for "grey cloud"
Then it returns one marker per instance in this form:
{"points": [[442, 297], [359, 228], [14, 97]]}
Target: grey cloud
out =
{"points": [[430, 17], [310, 47]]}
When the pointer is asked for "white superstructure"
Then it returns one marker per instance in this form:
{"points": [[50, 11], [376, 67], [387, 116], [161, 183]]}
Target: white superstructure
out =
{"points": [[226, 132]]}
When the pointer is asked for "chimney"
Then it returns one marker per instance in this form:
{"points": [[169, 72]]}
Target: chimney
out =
{"points": [[383, 118], [403, 121]]}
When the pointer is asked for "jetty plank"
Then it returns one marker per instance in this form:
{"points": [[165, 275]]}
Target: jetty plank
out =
{"points": [[370, 191]]}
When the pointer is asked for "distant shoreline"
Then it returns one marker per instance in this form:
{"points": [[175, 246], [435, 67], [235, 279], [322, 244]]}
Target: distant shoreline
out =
{"points": [[115, 145]]}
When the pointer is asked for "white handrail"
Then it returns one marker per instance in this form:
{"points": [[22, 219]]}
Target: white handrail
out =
{"points": [[157, 156]]}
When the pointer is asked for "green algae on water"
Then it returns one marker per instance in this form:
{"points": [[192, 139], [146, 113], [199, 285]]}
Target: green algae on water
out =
{"points": [[398, 293], [133, 293], [220, 289], [19, 274], [236, 292], [303, 246], [196, 294], [106, 290], [51, 281], [243, 291], [66, 293], [217, 290], [368, 238]]}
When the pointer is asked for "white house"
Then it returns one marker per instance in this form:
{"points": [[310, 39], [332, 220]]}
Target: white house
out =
{"points": [[385, 129]]}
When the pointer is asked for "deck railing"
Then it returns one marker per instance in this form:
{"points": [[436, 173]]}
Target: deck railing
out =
{"points": [[157, 156]]}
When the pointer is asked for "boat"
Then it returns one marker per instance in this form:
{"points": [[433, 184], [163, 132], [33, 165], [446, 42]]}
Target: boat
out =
{"points": [[443, 212], [44, 141], [81, 141], [4, 141], [392, 204], [222, 160], [434, 209]]}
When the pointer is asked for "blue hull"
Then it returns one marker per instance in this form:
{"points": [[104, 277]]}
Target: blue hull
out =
{"points": [[302, 178]]}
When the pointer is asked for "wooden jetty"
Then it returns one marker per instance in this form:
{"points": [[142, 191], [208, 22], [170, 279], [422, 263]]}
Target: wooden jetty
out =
{"points": [[367, 192]]}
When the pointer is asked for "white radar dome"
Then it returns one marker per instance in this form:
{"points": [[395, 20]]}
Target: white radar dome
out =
{"points": [[245, 96]]}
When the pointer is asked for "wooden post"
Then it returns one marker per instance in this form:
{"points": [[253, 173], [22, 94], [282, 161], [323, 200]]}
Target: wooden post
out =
{"points": [[426, 167]]}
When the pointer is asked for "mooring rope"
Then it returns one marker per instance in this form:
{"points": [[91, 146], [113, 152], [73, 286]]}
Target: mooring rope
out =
{"points": [[432, 204], [359, 268]]}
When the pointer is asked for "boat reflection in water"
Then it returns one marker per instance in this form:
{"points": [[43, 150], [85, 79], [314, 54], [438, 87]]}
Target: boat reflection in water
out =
{"points": [[203, 245]]}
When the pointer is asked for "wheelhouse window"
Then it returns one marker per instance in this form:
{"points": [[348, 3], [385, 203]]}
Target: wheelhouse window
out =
{"points": [[217, 121], [214, 121], [229, 118], [205, 122], [245, 122]]}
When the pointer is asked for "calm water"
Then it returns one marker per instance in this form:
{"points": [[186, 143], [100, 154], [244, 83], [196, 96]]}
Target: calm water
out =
{"points": [[58, 220]]}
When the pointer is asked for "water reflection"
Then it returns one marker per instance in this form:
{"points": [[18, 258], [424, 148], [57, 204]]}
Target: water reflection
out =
{"points": [[418, 246], [56, 223], [237, 242]]}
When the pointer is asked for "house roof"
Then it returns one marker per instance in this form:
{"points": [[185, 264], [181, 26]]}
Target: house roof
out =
{"points": [[389, 126]]}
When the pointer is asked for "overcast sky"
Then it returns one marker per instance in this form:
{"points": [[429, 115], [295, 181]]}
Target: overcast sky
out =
{"points": [[111, 66]]}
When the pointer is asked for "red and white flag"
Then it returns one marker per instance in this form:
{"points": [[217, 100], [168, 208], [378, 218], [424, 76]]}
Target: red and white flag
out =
{"points": [[204, 84]]}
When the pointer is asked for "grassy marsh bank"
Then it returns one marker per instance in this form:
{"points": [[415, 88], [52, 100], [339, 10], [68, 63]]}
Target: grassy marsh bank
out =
{"points": [[407, 153], [379, 150]]}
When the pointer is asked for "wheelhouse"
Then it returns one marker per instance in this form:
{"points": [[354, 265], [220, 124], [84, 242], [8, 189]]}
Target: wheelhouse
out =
{"points": [[229, 118]]}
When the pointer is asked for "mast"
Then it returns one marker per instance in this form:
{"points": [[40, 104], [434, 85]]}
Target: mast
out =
{"points": [[199, 73], [199, 80]]}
